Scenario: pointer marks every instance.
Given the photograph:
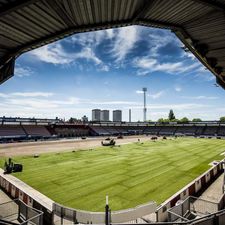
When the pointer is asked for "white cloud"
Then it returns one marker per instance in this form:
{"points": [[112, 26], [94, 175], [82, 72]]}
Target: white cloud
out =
{"points": [[69, 101], [204, 75], [52, 53], [124, 42], [57, 55], [142, 72], [104, 68], [146, 64], [32, 101], [2, 95], [49, 105], [87, 53], [139, 92], [157, 95], [114, 103], [200, 97], [169, 67], [153, 95], [190, 110], [92, 39], [23, 71], [39, 103], [178, 89], [179, 107], [158, 39], [189, 54], [43, 110], [33, 94], [26, 94]]}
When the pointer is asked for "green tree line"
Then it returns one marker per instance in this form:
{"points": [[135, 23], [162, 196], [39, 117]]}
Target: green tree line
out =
{"points": [[172, 118]]}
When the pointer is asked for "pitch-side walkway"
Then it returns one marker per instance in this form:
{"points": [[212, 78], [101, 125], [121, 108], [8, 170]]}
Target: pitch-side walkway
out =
{"points": [[4, 197], [215, 191], [8, 209], [212, 195]]}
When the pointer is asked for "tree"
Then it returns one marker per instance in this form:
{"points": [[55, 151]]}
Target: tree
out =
{"points": [[160, 120], [196, 120], [73, 120], [222, 119], [166, 121], [184, 120], [174, 120], [171, 115]]}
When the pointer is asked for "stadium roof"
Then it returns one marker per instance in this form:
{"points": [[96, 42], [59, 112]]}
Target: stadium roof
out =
{"points": [[29, 24]]}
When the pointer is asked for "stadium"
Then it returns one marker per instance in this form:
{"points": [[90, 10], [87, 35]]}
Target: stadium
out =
{"points": [[55, 171]]}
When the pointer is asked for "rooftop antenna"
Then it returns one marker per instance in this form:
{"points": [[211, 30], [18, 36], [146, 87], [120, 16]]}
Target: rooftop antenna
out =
{"points": [[144, 109]]}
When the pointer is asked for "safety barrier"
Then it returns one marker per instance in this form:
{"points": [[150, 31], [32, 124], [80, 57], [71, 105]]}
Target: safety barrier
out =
{"points": [[86, 217]]}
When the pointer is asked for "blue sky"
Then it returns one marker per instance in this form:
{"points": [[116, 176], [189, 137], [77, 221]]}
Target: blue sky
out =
{"points": [[107, 70]]}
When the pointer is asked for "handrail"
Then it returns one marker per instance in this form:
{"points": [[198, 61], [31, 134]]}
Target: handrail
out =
{"points": [[181, 217], [19, 203], [4, 222]]}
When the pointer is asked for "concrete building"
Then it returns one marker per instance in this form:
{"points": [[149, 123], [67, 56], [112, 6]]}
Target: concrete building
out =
{"points": [[117, 115], [96, 114], [104, 115]]}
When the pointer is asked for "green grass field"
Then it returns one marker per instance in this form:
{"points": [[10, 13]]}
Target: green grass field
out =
{"points": [[131, 174]]}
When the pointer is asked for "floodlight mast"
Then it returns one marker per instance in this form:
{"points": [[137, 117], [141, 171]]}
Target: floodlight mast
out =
{"points": [[144, 109]]}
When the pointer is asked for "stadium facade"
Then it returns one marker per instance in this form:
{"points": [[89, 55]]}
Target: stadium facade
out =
{"points": [[23, 129]]}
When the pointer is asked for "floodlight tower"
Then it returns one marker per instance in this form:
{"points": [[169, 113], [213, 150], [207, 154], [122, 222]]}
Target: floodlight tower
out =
{"points": [[145, 109]]}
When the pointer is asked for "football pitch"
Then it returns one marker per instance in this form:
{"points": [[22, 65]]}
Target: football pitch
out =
{"points": [[130, 174]]}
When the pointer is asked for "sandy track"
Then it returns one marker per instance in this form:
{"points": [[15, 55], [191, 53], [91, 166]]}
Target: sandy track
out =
{"points": [[31, 148]]}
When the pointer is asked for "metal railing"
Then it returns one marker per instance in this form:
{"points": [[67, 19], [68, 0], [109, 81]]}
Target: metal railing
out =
{"points": [[17, 211], [192, 210], [196, 207], [62, 213]]}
